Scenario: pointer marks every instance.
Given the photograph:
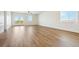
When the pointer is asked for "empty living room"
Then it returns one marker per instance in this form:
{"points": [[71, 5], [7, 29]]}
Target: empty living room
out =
{"points": [[39, 29]]}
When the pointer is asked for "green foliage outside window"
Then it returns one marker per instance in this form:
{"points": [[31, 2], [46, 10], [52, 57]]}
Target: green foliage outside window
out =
{"points": [[19, 22]]}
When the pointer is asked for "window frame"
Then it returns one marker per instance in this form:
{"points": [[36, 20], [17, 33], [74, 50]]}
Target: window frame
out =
{"points": [[70, 20]]}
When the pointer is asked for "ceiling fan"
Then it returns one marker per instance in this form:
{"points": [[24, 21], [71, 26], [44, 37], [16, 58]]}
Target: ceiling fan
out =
{"points": [[29, 13]]}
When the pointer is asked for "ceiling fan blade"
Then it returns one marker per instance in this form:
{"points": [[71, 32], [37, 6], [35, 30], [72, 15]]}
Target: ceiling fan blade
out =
{"points": [[29, 13]]}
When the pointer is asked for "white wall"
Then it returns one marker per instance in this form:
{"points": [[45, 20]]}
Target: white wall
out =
{"points": [[34, 19], [52, 19], [8, 22], [1, 21]]}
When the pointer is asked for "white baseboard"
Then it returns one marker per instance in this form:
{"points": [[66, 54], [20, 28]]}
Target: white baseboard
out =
{"points": [[61, 29]]}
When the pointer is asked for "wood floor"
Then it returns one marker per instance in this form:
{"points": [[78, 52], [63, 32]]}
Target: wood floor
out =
{"points": [[38, 36]]}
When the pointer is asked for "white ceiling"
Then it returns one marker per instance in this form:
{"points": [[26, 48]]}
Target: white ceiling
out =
{"points": [[33, 12]]}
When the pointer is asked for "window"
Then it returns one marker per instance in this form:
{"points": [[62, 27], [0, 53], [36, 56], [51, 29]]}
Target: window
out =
{"points": [[68, 15], [30, 18], [19, 20]]}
